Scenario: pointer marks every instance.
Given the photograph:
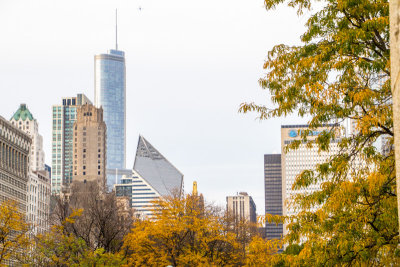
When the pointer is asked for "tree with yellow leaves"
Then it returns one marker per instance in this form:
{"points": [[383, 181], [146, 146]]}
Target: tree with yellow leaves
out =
{"points": [[340, 72], [182, 233], [14, 240]]}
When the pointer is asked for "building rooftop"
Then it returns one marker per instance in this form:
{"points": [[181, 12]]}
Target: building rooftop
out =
{"points": [[22, 113]]}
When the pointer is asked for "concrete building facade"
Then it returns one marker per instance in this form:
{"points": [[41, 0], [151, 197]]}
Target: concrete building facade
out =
{"points": [[39, 186], [23, 120], [242, 207], [64, 117], [15, 148], [89, 146]]}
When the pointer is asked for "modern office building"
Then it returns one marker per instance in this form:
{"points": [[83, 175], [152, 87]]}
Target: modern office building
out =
{"points": [[15, 148], [242, 207], [273, 193], [139, 193], [64, 117], [303, 158], [89, 146], [150, 164], [110, 94], [152, 177], [38, 188]]}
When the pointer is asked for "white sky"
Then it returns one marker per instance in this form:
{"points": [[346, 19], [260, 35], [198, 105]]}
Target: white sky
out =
{"points": [[190, 64]]}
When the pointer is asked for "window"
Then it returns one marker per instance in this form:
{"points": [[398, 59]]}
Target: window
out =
{"points": [[99, 150], [84, 167], [84, 150], [84, 173], [98, 167], [98, 156], [98, 173], [84, 155]]}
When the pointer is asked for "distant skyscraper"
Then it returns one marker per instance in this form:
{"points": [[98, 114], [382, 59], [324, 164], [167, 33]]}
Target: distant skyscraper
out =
{"points": [[64, 117], [89, 146], [242, 207], [110, 93], [273, 193]]}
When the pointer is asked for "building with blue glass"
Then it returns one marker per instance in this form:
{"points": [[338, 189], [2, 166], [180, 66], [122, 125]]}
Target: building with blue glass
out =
{"points": [[110, 93]]}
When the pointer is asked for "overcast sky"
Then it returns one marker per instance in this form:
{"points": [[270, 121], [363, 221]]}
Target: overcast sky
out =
{"points": [[190, 64]]}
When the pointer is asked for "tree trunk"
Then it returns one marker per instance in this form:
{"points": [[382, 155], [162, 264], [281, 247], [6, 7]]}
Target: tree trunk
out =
{"points": [[394, 16]]}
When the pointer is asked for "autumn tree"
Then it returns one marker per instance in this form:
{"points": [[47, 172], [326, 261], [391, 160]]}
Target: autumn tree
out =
{"points": [[101, 224], [182, 233], [59, 247], [340, 72], [14, 239]]}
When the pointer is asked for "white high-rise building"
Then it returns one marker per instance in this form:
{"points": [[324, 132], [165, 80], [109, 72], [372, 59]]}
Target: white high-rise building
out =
{"points": [[24, 121], [38, 188], [298, 160], [242, 207]]}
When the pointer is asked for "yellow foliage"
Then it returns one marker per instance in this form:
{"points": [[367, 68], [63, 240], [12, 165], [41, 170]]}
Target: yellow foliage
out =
{"points": [[13, 232]]}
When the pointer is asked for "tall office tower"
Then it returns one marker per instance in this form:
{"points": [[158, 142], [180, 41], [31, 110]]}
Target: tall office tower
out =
{"points": [[303, 158], [89, 147], [38, 206], [273, 193], [14, 163], [110, 93], [23, 120], [64, 117], [157, 170], [242, 207]]}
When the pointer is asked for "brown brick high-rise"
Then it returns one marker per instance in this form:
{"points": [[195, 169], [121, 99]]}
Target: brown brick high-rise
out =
{"points": [[89, 146]]}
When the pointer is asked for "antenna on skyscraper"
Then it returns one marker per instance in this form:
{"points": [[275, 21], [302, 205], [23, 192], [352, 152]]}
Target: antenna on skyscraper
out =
{"points": [[116, 29]]}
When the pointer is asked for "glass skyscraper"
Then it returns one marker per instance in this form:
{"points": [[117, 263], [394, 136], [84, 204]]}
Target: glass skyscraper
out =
{"points": [[64, 117], [110, 93]]}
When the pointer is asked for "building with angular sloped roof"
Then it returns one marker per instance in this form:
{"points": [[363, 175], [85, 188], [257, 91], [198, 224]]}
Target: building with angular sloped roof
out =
{"points": [[152, 177], [150, 164]]}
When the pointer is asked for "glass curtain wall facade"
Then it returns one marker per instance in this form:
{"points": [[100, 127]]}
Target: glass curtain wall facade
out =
{"points": [[64, 117], [273, 193], [110, 93]]}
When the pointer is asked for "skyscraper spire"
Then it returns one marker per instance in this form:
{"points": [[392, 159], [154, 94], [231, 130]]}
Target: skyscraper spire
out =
{"points": [[116, 29]]}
